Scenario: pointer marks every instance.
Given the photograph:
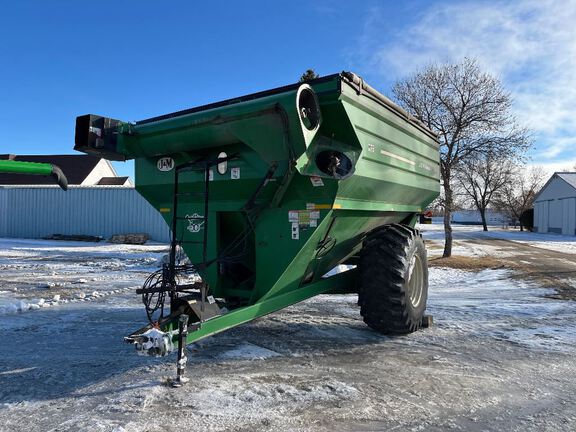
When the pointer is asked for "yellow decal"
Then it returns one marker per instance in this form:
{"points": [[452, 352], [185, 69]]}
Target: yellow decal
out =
{"points": [[310, 206]]}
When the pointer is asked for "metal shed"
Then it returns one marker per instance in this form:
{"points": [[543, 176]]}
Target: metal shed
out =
{"points": [[39, 211], [555, 205]]}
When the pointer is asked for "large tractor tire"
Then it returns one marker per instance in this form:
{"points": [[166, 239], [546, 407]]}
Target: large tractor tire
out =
{"points": [[393, 281]]}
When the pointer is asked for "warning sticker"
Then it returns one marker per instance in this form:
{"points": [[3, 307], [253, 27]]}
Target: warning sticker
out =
{"points": [[295, 231], [310, 206], [293, 215], [210, 175], [316, 181], [304, 218], [235, 173]]}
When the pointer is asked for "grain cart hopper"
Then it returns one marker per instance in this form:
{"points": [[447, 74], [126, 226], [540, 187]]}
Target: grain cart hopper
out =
{"points": [[34, 168], [267, 193]]}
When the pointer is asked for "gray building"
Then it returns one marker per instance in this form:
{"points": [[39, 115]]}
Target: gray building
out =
{"points": [[98, 202], [555, 205], [40, 211]]}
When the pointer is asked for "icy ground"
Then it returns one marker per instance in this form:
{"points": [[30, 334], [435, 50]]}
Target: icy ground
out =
{"points": [[554, 242], [500, 356], [40, 273]]}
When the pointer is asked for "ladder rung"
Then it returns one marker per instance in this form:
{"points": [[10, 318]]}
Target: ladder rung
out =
{"points": [[195, 168], [196, 285], [191, 194]]}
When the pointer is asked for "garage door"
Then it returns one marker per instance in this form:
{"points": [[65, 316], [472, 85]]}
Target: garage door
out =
{"points": [[568, 216], [542, 216]]}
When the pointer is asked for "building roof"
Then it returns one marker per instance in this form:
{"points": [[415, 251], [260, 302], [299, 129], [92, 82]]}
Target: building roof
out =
{"points": [[568, 177], [75, 167], [113, 181]]}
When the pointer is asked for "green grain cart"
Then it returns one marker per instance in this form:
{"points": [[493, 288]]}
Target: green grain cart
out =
{"points": [[267, 193]]}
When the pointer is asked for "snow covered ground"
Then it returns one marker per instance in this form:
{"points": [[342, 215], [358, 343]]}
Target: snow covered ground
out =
{"points": [[500, 355], [554, 242], [43, 273]]}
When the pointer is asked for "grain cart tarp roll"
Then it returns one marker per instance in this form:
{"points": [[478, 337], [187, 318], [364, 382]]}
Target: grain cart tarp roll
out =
{"points": [[268, 192]]}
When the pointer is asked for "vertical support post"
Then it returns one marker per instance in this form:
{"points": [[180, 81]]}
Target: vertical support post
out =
{"points": [[182, 359], [174, 240], [205, 244]]}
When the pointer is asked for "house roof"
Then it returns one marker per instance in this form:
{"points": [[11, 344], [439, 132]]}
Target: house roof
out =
{"points": [[112, 181], [75, 167]]}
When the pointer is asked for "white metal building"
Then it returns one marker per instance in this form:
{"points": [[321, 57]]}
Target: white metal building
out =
{"points": [[39, 211], [555, 205], [98, 202], [472, 217]]}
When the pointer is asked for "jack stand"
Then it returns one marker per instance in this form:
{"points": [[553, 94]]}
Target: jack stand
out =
{"points": [[427, 321], [181, 363]]}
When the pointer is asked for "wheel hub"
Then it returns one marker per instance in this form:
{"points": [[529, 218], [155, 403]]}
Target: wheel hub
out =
{"points": [[415, 281]]}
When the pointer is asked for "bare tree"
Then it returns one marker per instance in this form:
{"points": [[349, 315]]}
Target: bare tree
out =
{"points": [[483, 180], [519, 194], [568, 168], [470, 111], [310, 74]]}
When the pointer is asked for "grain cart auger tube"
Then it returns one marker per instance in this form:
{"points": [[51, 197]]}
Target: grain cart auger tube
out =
{"points": [[34, 168], [267, 193]]}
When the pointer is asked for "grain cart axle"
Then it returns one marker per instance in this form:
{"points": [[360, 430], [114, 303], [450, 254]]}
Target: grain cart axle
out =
{"points": [[267, 193]]}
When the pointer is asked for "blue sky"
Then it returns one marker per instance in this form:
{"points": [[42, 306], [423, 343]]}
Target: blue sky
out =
{"points": [[131, 60]]}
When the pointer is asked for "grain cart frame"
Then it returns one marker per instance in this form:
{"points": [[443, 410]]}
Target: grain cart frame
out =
{"points": [[267, 193]]}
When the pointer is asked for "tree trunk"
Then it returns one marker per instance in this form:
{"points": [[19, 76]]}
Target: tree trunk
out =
{"points": [[448, 234], [448, 203], [483, 217]]}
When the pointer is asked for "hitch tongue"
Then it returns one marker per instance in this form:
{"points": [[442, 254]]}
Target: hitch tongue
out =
{"points": [[153, 342]]}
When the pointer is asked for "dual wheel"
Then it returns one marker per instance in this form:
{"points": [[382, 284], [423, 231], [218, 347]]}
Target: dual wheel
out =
{"points": [[393, 279]]}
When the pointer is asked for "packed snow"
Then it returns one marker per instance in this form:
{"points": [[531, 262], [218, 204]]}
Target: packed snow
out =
{"points": [[554, 242], [507, 309], [43, 273], [499, 356]]}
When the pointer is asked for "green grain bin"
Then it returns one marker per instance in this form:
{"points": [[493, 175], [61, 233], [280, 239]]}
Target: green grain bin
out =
{"points": [[267, 193]]}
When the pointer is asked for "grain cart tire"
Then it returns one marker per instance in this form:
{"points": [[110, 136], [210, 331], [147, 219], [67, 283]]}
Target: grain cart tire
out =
{"points": [[393, 280]]}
